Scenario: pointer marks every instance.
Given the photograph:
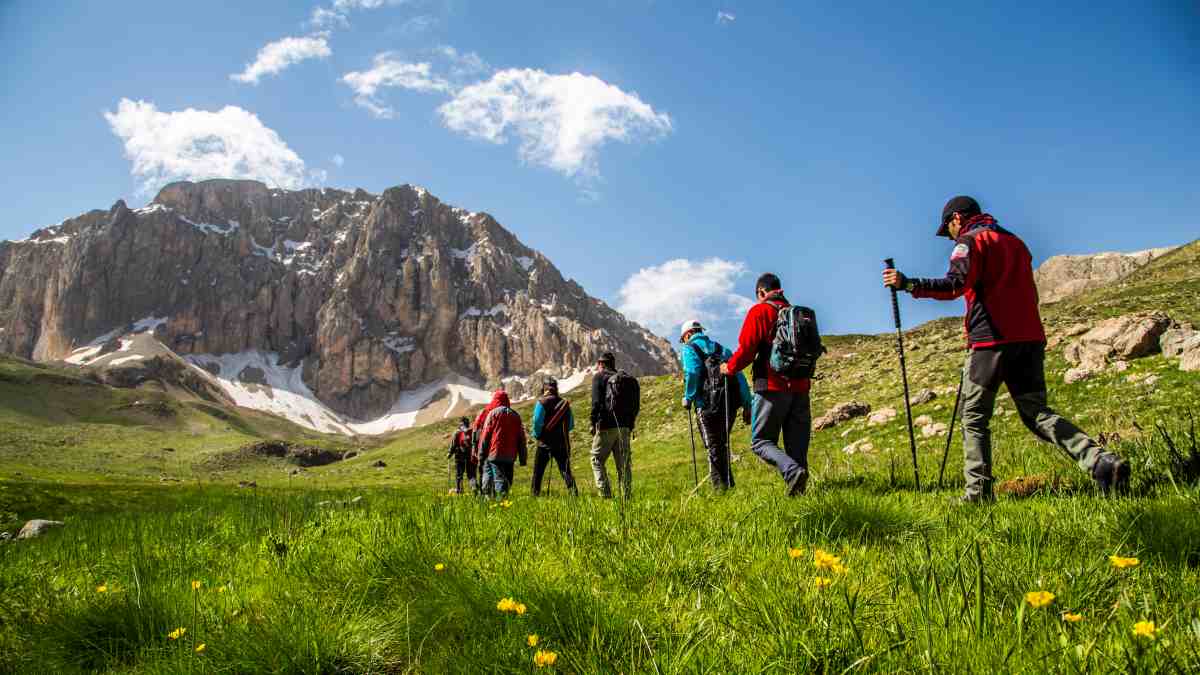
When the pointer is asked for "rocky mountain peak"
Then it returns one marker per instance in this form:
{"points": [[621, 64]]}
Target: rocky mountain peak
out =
{"points": [[1062, 276], [365, 306]]}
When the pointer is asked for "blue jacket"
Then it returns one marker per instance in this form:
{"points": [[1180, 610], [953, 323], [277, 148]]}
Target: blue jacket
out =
{"points": [[693, 369], [539, 419]]}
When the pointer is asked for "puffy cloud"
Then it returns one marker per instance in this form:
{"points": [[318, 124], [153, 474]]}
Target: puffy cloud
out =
{"points": [[389, 71], [274, 57], [197, 144], [724, 17], [560, 121], [664, 296], [338, 161]]}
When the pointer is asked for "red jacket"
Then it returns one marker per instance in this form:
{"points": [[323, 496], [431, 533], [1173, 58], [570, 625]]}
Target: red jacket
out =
{"points": [[993, 270], [503, 436], [754, 346], [477, 425]]}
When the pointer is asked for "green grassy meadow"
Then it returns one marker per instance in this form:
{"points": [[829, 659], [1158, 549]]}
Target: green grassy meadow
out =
{"points": [[297, 575]]}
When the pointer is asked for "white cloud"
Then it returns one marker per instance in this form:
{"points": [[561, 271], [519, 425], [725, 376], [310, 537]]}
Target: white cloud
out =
{"points": [[664, 296], [462, 64], [197, 144], [560, 120], [389, 71], [418, 24], [327, 18], [338, 161], [724, 17], [274, 57]]}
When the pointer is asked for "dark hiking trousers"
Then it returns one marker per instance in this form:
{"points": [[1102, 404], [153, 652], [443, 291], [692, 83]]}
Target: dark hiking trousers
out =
{"points": [[498, 477], [782, 413], [463, 465], [541, 460], [714, 432], [1020, 367]]}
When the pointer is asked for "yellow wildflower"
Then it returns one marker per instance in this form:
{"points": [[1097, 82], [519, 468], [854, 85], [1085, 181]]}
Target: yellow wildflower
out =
{"points": [[196, 585], [1121, 563], [838, 568], [177, 633], [102, 588], [1145, 629], [201, 647], [506, 605], [794, 553], [823, 560], [1071, 617], [221, 589], [1039, 599], [543, 659], [520, 608], [439, 567], [822, 582], [506, 503], [532, 640]]}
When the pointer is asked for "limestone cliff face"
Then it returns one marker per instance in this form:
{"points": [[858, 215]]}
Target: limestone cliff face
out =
{"points": [[1065, 275], [369, 294]]}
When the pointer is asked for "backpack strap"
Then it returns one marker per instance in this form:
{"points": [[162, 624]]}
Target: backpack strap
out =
{"points": [[699, 352], [560, 412]]}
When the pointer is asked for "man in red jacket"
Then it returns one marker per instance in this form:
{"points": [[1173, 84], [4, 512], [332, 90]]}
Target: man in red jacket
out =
{"points": [[993, 270], [501, 442], [781, 404]]}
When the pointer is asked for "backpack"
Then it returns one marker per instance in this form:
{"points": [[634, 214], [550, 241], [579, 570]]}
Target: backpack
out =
{"points": [[622, 396], [797, 343], [720, 396]]}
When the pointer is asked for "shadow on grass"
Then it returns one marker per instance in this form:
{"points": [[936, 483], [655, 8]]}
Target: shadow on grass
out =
{"points": [[860, 518], [1168, 529]]}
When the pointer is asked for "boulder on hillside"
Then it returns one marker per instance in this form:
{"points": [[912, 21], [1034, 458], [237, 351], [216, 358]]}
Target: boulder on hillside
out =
{"points": [[841, 413], [924, 396], [1124, 337], [1175, 341], [1190, 361], [37, 527]]}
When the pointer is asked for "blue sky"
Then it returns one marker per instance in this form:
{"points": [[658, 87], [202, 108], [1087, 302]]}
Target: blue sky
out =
{"points": [[812, 140]]}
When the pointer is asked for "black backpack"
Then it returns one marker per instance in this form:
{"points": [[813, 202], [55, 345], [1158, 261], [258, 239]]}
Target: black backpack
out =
{"points": [[622, 395], [797, 343], [721, 392]]}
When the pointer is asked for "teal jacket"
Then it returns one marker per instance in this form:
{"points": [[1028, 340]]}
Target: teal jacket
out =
{"points": [[539, 420], [693, 369]]}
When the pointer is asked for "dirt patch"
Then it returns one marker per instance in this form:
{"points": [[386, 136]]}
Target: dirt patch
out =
{"points": [[292, 453]]}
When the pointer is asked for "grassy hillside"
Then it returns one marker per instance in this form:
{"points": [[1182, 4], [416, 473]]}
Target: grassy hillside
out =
{"points": [[296, 576]]}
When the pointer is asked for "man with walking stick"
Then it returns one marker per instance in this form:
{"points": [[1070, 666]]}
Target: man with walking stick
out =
{"points": [[553, 422], [716, 404], [993, 270], [781, 402]]}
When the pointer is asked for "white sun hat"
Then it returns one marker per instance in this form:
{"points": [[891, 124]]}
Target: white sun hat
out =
{"points": [[690, 325]]}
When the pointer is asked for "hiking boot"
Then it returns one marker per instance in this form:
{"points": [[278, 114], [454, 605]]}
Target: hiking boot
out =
{"points": [[972, 499], [1111, 473], [798, 483]]}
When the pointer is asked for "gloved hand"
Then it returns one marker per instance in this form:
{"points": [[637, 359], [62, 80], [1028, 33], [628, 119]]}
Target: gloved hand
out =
{"points": [[686, 403]]}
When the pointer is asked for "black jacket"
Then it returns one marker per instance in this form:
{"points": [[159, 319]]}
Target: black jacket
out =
{"points": [[603, 417]]}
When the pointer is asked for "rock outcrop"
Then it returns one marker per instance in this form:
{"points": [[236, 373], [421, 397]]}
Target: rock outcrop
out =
{"points": [[1116, 340], [1064, 275], [360, 297]]}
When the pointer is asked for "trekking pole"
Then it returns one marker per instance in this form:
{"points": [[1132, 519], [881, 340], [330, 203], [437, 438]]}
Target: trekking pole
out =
{"points": [[912, 440], [728, 440], [692, 434], [950, 434]]}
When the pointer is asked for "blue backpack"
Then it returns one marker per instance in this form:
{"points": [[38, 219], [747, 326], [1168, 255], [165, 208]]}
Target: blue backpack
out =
{"points": [[797, 343]]}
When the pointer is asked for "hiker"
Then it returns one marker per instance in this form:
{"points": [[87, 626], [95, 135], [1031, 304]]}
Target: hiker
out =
{"points": [[616, 401], [501, 442], [553, 422], [781, 403], [482, 483], [705, 389], [993, 270], [460, 452]]}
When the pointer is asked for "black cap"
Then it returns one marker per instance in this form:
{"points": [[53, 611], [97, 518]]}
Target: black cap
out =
{"points": [[960, 204], [608, 359]]}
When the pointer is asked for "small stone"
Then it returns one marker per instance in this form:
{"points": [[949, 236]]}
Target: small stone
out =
{"points": [[931, 430], [5, 536], [37, 527], [379, 464], [247, 484], [882, 417], [1120, 366], [925, 396], [846, 433], [357, 500], [841, 413], [1078, 374], [294, 472], [923, 420]]}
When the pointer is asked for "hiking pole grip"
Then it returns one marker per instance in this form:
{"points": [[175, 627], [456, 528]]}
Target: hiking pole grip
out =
{"points": [[890, 264]]}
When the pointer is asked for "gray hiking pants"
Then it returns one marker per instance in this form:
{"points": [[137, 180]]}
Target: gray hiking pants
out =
{"points": [[776, 413], [613, 442], [1021, 368]]}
